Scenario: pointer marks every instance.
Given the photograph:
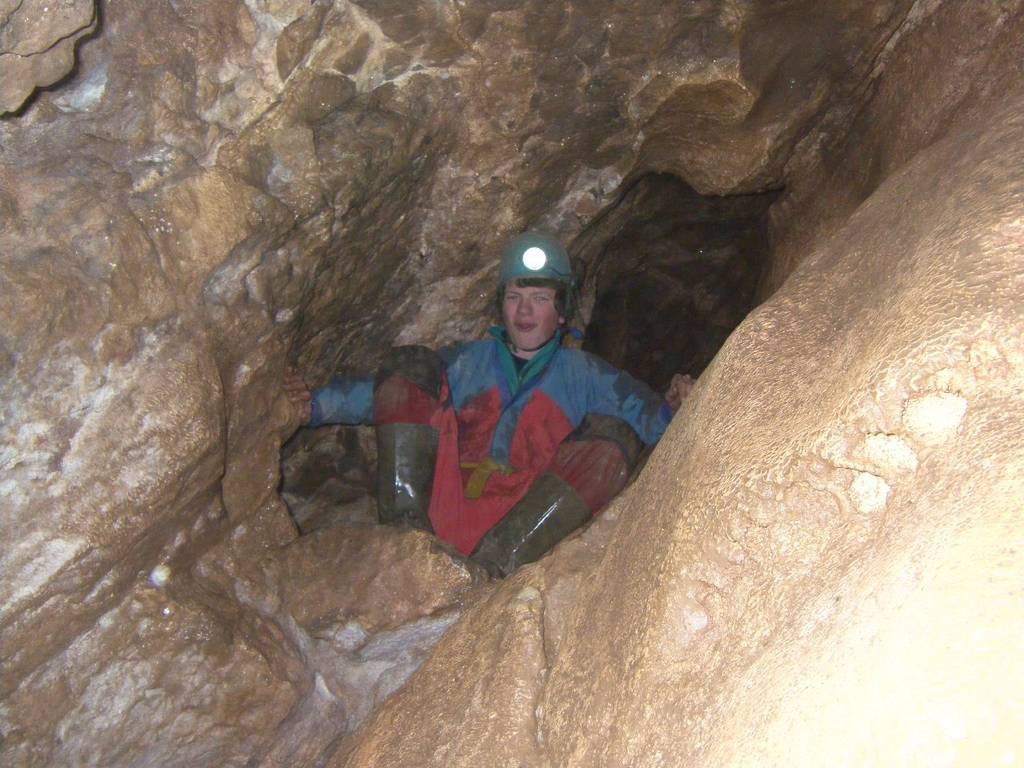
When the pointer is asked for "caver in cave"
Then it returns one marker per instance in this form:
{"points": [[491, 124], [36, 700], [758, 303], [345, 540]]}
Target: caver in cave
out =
{"points": [[501, 447]]}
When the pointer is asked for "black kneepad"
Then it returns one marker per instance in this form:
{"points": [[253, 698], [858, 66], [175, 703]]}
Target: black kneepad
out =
{"points": [[612, 429], [415, 363]]}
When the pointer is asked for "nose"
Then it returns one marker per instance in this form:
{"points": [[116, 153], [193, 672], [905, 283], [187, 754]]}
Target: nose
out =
{"points": [[524, 309]]}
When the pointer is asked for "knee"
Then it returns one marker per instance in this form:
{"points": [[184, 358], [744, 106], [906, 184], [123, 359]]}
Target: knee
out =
{"points": [[597, 459], [590, 466], [408, 385], [414, 363], [613, 431]]}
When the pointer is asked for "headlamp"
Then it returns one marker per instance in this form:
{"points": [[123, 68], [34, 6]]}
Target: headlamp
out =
{"points": [[534, 258]]}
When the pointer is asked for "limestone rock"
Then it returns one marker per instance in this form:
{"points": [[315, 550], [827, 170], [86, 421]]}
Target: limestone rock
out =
{"points": [[115, 696], [376, 576], [347, 614], [493, 666], [37, 44]]}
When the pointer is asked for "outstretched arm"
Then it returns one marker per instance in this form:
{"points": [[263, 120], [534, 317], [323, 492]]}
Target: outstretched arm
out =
{"points": [[613, 392], [342, 401]]}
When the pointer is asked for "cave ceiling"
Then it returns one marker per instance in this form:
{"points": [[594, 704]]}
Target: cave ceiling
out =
{"points": [[379, 152]]}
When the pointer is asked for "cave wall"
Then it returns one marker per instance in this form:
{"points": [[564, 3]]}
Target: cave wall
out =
{"points": [[961, 59], [218, 189], [37, 44]]}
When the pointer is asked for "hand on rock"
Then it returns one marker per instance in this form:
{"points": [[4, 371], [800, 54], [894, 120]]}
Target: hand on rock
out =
{"points": [[298, 396], [678, 390]]}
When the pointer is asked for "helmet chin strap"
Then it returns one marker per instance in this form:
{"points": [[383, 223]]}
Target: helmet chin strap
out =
{"points": [[516, 350]]}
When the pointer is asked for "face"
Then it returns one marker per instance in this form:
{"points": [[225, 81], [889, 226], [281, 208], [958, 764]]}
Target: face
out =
{"points": [[530, 317]]}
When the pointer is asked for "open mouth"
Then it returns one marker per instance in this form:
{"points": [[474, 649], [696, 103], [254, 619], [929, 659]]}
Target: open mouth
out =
{"points": [[525, 327]]}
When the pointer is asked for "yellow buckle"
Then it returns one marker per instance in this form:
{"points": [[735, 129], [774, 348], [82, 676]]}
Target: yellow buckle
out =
{"points": [[482, 472]]}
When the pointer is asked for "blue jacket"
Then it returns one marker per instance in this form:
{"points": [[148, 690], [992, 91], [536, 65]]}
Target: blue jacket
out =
{"points": [[487, 390]]}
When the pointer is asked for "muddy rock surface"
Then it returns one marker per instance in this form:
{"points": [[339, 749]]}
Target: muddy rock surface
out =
{"points": [[195, 195], [478, 696]]}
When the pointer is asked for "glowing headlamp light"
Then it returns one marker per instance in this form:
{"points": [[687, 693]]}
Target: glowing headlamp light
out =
{"points": [[534, 258]]}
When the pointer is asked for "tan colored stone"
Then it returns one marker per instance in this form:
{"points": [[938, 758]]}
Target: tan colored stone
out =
{"points": [[933, 419], [869, 493], [37, 44], [202, 220], [377, 576], [345, 614], [115, 696], [486, 711], [889, 453]]}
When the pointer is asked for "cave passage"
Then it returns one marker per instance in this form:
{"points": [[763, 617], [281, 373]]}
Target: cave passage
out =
{"points": [[672, 273], [202, 195], [669, 274]]}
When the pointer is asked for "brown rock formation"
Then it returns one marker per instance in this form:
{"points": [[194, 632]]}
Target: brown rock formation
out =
{"points": [[37, 47], [223, 188]]}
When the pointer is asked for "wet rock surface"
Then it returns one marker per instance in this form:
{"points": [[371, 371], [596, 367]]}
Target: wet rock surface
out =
{"points": [[478, 696], [220, 189], [346, 614], [156, 679]]}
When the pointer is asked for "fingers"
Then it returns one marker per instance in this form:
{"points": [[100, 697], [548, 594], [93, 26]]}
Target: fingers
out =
{"points": [[298, 394], [672, 395], [300, 399], [286, 416], [678, 390], [296, 389], [293, 380], [685, 386]]}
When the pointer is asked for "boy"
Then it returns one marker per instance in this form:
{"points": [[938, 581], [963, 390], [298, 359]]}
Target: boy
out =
{"points": [[502, 447]]}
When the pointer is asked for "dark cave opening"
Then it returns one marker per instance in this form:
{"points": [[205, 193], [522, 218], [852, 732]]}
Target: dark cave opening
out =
{"points": [[328, 477], [670, 274]]}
